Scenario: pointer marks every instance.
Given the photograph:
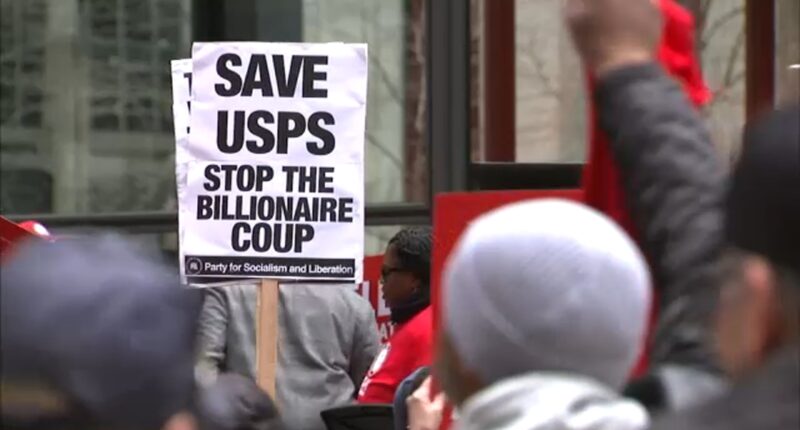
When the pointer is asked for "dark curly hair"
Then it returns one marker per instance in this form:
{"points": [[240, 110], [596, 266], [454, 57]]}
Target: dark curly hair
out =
{"points": [[413, 246]]}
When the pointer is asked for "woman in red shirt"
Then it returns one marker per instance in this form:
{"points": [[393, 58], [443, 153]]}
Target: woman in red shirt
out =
{"points": [[405, 285]]}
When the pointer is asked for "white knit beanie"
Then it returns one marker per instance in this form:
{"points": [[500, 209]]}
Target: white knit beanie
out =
{"points": [[547, 285]]}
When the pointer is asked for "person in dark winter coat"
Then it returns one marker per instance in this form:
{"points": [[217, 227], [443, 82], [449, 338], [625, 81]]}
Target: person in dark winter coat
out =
{"points": [[674, 187], [736, 256]]}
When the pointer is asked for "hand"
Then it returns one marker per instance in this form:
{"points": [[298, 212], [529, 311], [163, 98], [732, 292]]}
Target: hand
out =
{"points": [[424, 413], [610, 34]]}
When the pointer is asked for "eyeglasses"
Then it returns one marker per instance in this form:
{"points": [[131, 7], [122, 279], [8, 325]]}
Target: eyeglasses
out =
{"points": [[386, 271]]}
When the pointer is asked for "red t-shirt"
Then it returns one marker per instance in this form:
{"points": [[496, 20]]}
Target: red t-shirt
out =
{"points": [[410, 348]]}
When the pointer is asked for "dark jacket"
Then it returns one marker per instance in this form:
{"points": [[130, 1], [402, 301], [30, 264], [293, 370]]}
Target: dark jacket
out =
{"points": [[675, 186], [769, 399], [404, 391]]}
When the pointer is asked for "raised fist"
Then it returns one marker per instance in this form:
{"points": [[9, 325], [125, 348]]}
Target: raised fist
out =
{"points": [[609, 34]]}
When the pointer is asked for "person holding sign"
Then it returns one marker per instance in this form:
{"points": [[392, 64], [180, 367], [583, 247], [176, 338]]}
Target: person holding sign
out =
{"points": [[328, 339], [405, 284], [274, 189]]}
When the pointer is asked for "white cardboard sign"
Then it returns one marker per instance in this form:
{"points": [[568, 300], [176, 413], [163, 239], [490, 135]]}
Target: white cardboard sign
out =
{"points": [[275, 161], [181, 96]]}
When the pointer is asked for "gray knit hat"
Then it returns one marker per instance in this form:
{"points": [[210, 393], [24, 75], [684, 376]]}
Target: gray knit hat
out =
{"points": [[547, 285]]}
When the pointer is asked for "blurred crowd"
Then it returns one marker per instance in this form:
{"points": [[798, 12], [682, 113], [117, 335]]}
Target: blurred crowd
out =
{"points": [[546, 304]]}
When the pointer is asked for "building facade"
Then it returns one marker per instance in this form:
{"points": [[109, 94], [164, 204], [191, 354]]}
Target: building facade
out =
{"points": [[85, 100]]}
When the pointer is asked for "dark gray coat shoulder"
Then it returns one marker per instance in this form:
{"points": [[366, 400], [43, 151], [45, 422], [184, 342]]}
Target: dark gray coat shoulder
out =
{"points": [[769, 399], [675, 186]]}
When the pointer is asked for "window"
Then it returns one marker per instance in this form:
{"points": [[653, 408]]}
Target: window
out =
{"points": [[529, 101], [551, 111], [396, 154], [788, 51], [86, 104], [85, 110], [721, 42], [550, 106], [377, 238]]}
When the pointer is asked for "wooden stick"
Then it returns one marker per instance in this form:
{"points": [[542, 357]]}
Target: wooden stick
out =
{"points": [[267, 335]]}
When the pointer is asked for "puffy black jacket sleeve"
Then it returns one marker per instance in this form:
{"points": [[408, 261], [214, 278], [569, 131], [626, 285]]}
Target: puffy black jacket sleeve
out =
{"points": [[674, 187]]}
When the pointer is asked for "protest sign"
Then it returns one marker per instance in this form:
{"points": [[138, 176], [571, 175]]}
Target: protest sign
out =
{"points": [[370, 290], [12, 234], [275, 177], [181, 96], [181, 99]]}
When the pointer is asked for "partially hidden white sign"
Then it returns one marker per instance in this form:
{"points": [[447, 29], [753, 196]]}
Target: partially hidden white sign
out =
{"points": [[275, 177], [181, 96]]}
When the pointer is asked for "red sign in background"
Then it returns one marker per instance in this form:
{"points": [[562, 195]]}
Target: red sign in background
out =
{"points": [[11, 234], [370, 289], [452, 214]]}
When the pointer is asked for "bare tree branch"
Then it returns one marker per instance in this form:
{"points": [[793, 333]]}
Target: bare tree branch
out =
{"points": [[709, 32], [735, 52], [391, 87], [731, 77], [529, 53], [722, 92], [375, 142]]}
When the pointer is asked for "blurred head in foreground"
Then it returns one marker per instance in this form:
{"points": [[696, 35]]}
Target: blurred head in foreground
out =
{"points": [[760, 306], [95, 334], [234, 402], [545, 285]]}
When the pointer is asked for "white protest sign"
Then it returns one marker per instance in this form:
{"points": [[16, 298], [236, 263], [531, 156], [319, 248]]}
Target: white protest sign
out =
{"points": [[181, 96], [275, 181]]}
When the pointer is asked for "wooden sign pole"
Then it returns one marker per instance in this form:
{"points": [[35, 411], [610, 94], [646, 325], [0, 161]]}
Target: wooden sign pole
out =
{"points": [[267, 336]]}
